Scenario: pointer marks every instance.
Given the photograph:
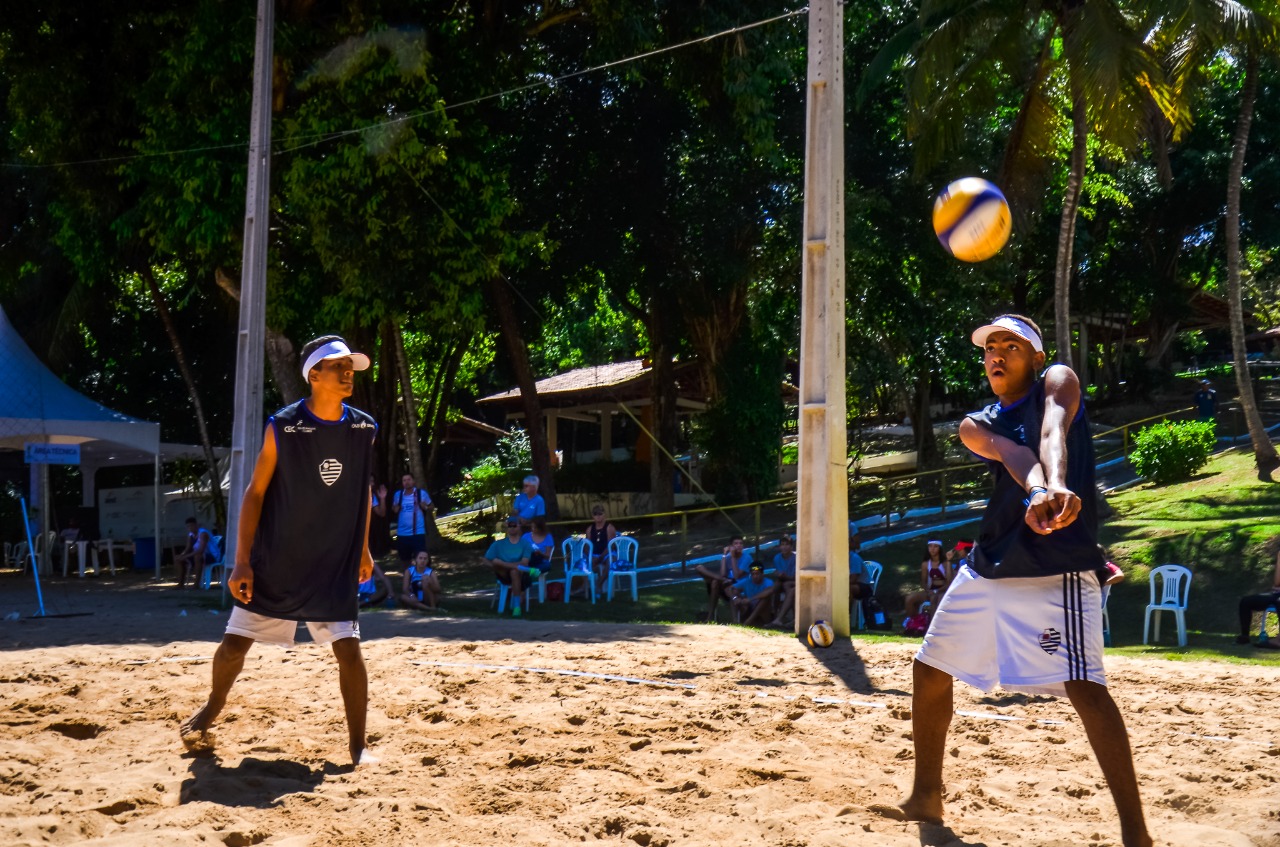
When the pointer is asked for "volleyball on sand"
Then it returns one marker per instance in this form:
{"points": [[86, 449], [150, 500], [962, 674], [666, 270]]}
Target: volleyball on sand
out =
{"points": [[971, 219], [821, 635]]}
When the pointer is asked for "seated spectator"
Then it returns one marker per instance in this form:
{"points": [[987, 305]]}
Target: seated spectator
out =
{"points": [[752, 596], [420, 587], [201, 550], [1260, 603], [541, 542], [936, 572], [529, 503], [859, 588], [376, 589], [734, 566], [600, 532], [784, 578], [509, 558]]}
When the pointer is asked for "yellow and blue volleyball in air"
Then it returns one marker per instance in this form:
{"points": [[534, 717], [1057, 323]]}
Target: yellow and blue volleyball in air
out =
{"points": [[971, 218], [821, 635]]}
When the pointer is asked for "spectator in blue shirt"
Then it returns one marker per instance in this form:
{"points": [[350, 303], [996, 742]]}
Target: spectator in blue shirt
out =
{"points": [[733, 567], [1207, 401], [529, 503], [752, 597], [784, 578], [509, 558]]}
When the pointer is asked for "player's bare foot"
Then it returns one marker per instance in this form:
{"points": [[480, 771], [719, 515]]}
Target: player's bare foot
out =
{"points": [[362, 756], [909, 810], [195, 733]]}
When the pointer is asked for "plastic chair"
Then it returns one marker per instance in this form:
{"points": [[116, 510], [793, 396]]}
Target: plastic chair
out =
{"points": [[624, 552], [502, 591], [1175, 586], [1106, 622], [577, 565], [1262, 627], [206, 577], [874, 569]]}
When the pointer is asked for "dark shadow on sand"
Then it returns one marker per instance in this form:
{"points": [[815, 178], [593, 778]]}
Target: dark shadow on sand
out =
{"points": [[255, 783]]}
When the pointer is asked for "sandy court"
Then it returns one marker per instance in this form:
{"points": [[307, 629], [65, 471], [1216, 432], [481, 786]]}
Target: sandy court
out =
{"points": [[721, 737]]}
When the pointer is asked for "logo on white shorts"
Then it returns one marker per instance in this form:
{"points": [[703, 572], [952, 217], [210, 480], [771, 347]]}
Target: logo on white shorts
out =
{"points": [[330, 470], [1050, 639]]}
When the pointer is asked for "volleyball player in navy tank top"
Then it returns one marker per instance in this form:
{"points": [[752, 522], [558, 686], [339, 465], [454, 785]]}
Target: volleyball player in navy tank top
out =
{"points": [[1026, 613], [302, 546]]}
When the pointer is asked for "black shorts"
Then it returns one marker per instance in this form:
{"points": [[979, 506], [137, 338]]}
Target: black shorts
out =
{"points": [[408, 546]]}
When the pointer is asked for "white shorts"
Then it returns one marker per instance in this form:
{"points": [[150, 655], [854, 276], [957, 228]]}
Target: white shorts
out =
{"points": [[1028, 635], [277, 631]]}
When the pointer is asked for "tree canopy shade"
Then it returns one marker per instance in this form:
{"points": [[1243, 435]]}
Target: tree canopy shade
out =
{"points": [[482, 194]]}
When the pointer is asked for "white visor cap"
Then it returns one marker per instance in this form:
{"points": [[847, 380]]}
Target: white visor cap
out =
{"points": [[1008, 323], [334, 350]]}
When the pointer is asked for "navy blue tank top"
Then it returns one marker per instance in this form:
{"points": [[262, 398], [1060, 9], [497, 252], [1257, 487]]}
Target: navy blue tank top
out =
{"points": [[1006, 545], [306, 554]]}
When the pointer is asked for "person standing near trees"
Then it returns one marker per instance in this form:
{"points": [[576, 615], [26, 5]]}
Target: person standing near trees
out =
{"points": [[1206, 401], [1026, 611], [302, 546], [412, 506]]}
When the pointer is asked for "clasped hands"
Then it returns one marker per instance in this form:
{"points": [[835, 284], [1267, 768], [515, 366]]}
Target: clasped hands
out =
{"points": [[1051, 508]]}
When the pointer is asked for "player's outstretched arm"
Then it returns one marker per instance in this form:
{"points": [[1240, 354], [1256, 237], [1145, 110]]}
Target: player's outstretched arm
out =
{"points": [[1019, 460], [1061, 403], [1021, 463], [250, 513]]}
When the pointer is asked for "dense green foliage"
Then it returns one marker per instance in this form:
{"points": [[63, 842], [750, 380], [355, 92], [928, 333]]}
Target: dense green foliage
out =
{"points": [[427, 156], [500, 472], [1172, 452]]}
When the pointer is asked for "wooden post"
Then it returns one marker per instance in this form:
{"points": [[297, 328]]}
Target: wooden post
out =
{"points": [[606, 433], [246, 430], [756, 553], [942, 488], [684, 542], [822, 549]]}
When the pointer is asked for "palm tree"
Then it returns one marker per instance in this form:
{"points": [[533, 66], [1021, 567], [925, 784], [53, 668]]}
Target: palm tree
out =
{"points": [[1195, 31], [1085, 54]]}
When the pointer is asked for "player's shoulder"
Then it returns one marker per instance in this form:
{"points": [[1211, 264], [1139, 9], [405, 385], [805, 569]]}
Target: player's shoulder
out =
{"points": [[358, 419], [290, 412]]}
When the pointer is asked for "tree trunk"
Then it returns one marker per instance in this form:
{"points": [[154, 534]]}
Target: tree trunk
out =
{"points": [[665, 428], [282, 358], [1264, 453], [1067, 226], [386, 385], [215, 473], [440, 416], [408, 408], [518, 353]]}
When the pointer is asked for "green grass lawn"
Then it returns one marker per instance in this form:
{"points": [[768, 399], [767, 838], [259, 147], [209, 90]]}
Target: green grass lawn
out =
{"points": [[1220, 525]]}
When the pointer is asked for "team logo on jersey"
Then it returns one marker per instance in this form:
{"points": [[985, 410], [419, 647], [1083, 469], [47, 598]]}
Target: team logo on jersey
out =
{"points": [[363, 425], [299, 428], [330, 470], [1050, 640]]}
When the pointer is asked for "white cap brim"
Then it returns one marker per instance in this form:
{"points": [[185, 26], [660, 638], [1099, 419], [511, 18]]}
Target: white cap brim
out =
{"points": [[334, 350], [1005, 323]]}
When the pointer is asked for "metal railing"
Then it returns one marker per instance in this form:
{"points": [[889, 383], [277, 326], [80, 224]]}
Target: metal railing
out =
{"points": [[958, 487]]}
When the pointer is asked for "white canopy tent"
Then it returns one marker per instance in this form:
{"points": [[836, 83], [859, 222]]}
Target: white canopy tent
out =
{"points": [[37, 407]]}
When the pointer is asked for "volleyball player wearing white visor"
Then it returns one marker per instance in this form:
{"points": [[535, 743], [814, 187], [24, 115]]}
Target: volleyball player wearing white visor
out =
{"points": [[302, 542], [1025, 612]]}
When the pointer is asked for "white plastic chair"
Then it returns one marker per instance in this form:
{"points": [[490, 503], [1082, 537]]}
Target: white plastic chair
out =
{"points": [[206, 577], [624, 553], [1175, 586], [577, 565], [874, 569]]}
